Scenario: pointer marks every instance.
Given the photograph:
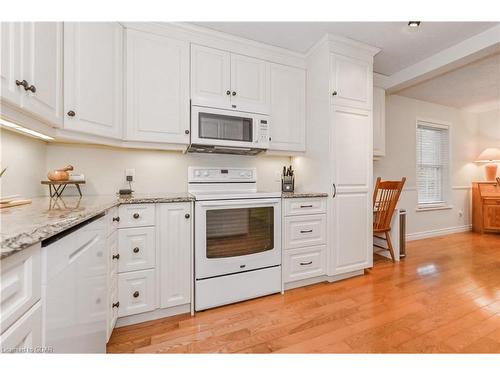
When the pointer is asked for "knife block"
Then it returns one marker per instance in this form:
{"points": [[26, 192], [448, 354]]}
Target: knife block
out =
{"points": [[287, 184]]}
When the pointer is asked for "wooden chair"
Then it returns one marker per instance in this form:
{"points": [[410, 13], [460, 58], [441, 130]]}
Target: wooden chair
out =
{"points": [[385, 199]]}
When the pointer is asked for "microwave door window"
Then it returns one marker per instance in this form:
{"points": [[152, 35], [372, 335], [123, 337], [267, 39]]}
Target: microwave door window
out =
{"points": [[239, 231], [222, 127]]}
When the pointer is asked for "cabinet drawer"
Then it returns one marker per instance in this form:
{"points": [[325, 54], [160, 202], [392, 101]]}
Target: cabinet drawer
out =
{"points": [[301, 231], [491, 201], [136, 292], [306, 206], [25, 335], [304, 263], [136, 215], [136, 248], [20, 284], [112, 220]]}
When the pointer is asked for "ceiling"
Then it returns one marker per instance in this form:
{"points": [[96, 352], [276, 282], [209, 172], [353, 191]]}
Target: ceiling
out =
{"points": [[401, 46], [473, 87]]}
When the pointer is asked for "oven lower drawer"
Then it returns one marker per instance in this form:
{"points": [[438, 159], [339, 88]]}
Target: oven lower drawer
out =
{"points": [[224, 290]]}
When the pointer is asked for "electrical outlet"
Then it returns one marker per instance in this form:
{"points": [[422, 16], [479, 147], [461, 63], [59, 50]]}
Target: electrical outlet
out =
{"points": [[129, 175]]}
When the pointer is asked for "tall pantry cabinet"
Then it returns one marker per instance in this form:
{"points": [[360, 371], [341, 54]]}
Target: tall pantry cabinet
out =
{"points": [[338, 156]]}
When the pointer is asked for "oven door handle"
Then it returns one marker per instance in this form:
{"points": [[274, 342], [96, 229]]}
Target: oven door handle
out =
{"points": [[237, 203]]}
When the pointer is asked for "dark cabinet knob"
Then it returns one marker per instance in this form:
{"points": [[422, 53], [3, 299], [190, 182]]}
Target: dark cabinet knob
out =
{"points": [[136, 250], [117, 219], [234, 93], [187, 216], [228, 92], [186, 131], [23, 83], [116, 304], [136, 216], [117, 256], [30, 88], [71, 113], [136, 294], [334, 93]]}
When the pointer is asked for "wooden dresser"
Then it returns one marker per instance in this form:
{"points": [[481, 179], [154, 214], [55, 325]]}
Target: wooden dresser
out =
{"points": [[485, 207]]}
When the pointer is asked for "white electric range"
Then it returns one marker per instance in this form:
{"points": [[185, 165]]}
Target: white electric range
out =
{"points": [[237, 236]]}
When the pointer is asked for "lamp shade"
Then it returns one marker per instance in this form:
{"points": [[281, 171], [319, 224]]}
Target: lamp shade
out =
{"points": [[489, 155]]}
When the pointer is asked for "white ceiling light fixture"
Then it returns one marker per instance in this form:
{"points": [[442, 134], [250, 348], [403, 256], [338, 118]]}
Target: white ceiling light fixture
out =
{"points": [[21, 129], [414, 24]]}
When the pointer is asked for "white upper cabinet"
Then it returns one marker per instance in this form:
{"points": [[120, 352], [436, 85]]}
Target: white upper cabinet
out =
{"points": [[210, 77], [351, 82], [378, 122], [10, 62], [31, 68], [157, 88], [229, 81], [288, 102], [93, 76], [42, 68], [249, 84]]}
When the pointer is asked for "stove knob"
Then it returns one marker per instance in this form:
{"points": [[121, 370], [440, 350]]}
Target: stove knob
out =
{"points": [[197, 173], [242, 174], [205, 173]]}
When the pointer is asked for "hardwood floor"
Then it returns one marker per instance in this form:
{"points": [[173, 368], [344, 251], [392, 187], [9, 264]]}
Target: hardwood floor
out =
{"points": [[443, 298]]}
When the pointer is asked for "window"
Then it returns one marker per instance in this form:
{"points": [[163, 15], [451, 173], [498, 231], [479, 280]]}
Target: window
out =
{"points": [[433, 179]]}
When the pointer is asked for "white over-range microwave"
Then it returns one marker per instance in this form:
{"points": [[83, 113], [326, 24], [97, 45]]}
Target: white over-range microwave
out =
{"points": [[228, 132]]}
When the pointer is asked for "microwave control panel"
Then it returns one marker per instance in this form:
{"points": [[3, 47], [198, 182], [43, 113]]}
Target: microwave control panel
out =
{"points": [[263, 133]]}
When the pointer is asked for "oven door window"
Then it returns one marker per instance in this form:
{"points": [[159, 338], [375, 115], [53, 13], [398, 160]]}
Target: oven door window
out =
{"points": [[212, 126], [239, 231]]}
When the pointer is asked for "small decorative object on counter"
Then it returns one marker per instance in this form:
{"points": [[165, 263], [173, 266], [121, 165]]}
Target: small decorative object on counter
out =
{"points": [[287, 180], [61, 174], [56, 188]]}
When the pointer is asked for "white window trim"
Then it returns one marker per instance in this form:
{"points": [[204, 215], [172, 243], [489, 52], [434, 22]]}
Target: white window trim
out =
{"points": [[444, 205]]}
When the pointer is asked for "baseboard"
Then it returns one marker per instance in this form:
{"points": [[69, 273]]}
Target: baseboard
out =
{"points": [[153, 315], [320, 279], [438, 232]]}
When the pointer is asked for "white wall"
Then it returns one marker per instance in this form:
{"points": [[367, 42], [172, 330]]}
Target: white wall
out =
{"points": [[25, 159], [400, 160], [489, 129], [155, 171]]}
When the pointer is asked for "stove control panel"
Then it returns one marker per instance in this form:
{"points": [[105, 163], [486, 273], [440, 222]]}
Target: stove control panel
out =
{"points": [[210, 174]]}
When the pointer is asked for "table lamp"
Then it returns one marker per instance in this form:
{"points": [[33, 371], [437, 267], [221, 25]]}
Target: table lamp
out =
{"points": [[490, 156]]}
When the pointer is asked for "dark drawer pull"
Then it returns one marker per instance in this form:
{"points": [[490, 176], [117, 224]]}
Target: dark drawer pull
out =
{"points": [[306, 231], [306, 263], [136, 250], [116, 304], [116, 218], [117, 256], [306, 206], [136, 216], [136, 294]]}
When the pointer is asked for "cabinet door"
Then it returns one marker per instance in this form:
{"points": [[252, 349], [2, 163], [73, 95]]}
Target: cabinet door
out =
{"points": [[288, 115], [351, 82], [249, 84], [175, 254], [378, 122], [157, 94], [93, 61], [25, 335], [10, 61], [210, 77], [42, 68], [351, 210]]}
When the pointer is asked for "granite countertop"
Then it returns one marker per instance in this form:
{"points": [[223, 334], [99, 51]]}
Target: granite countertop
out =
{"points": [[23, 226], [303, 195]]}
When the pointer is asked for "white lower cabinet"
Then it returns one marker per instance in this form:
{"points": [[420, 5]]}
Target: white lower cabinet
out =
{"points": [[137, 249], [175, 254], [25, 335], [304, 238], [299, 264], [136, 292]]}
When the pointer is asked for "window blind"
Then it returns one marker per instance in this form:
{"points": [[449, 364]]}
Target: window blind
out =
{"points": [[432, 163]]}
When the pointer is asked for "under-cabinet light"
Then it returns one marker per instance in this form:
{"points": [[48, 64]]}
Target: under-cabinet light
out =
{"points": [[22, 129], [414, 24]]}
